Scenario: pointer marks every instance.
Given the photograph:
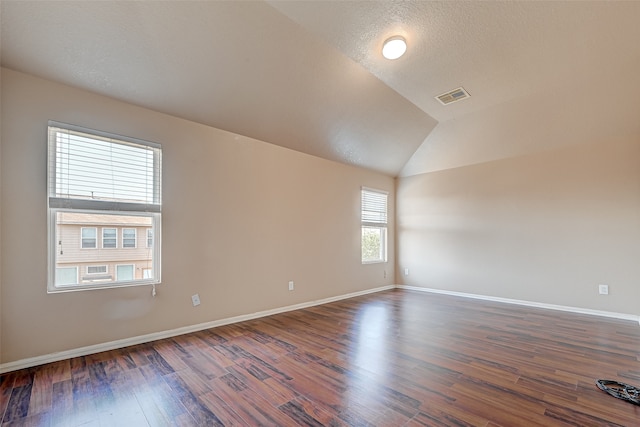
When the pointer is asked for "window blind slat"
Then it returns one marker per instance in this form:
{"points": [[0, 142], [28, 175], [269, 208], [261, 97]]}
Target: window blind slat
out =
{"points": [[70, 203], [374, 207]]}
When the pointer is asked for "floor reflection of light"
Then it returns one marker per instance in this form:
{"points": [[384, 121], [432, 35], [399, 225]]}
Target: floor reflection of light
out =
{"points": [[371, 339], [370, 354]]}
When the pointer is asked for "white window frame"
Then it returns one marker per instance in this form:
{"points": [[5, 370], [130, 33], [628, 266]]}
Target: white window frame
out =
{"points": [[103, 238], [135, 238], [60, 201], [106, 269], [95, 230], [374, 211]]}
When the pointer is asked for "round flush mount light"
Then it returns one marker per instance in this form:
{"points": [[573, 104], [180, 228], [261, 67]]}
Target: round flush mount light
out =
{"points": [[394, 47]]}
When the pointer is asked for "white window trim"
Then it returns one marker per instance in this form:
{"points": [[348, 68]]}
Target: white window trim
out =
{"points": [[82, 238], [109, 228], [149, 230]]}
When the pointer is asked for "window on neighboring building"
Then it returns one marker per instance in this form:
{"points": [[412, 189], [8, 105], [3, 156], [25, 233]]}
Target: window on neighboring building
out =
{"points": [[109, 238], [66, 276], [96, 269], [89, 238], [149, 237], [125, 273], [108, 181], [374, 226], [128, 237], [146, 273]]}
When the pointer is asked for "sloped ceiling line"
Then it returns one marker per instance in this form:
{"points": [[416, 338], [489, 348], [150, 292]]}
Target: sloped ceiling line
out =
{"points": [[310, 76]]}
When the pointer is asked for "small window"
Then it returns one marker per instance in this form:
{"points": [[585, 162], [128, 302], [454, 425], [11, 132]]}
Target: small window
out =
{"points": [[96, 269], [125, 273], [147, 273], [149, 238], [99, 183], [89, 238], [128, 237], [109, 238], [66, 276], [374, 226]]}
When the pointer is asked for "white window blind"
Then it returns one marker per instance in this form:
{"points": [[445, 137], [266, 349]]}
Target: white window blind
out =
{"points": [[101, 171], [374, 207]]}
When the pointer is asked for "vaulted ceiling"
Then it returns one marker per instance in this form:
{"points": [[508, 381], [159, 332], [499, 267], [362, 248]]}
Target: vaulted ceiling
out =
{"points": [[309, 75]]}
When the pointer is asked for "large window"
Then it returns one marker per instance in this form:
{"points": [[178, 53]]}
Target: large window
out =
{"points": [[108, 182], [374, 226]]}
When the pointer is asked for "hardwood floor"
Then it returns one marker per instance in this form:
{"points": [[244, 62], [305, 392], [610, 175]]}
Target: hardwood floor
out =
{"points": [[394, 358]]}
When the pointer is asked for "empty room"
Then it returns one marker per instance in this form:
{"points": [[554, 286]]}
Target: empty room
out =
{"points": [[319, 213]]}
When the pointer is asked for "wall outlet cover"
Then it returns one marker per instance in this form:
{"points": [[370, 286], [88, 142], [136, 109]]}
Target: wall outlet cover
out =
{"points": [[195, 299]]}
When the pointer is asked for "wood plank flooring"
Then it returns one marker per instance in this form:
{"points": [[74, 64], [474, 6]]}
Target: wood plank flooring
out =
{"points": [[394, 358]]}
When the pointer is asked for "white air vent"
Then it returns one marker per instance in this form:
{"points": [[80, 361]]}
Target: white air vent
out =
{"points": [[453, 96]]}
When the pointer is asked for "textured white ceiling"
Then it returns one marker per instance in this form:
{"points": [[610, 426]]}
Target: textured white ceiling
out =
{"points": [[541, 74], [308, 75], [238, 66]]}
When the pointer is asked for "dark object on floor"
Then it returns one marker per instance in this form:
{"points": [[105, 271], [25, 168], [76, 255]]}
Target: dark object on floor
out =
{"points": [[620, 390]]}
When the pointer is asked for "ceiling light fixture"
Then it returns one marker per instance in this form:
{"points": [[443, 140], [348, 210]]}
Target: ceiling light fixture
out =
{"points": [[394, 47]]}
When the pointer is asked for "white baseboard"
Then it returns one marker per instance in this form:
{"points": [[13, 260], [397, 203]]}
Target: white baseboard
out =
{"points": [[141, 339], [113, 345], [579, 310]]}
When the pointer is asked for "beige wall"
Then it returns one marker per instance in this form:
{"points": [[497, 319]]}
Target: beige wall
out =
{"points": [[546, 227], [240, 219], [1, 127]]}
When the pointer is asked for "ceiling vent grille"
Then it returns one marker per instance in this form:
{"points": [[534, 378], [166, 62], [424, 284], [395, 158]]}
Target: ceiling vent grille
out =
{"points": [[453, 96]]}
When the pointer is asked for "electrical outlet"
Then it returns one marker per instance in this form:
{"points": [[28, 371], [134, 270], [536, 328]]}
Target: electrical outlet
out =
{"points": [[291, 285], [406, 271], [195, 299], [603, 289], [384, 274]]}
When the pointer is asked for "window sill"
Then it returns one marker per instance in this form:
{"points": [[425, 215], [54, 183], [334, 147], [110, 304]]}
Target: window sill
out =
{"points": [[95, 286]]}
